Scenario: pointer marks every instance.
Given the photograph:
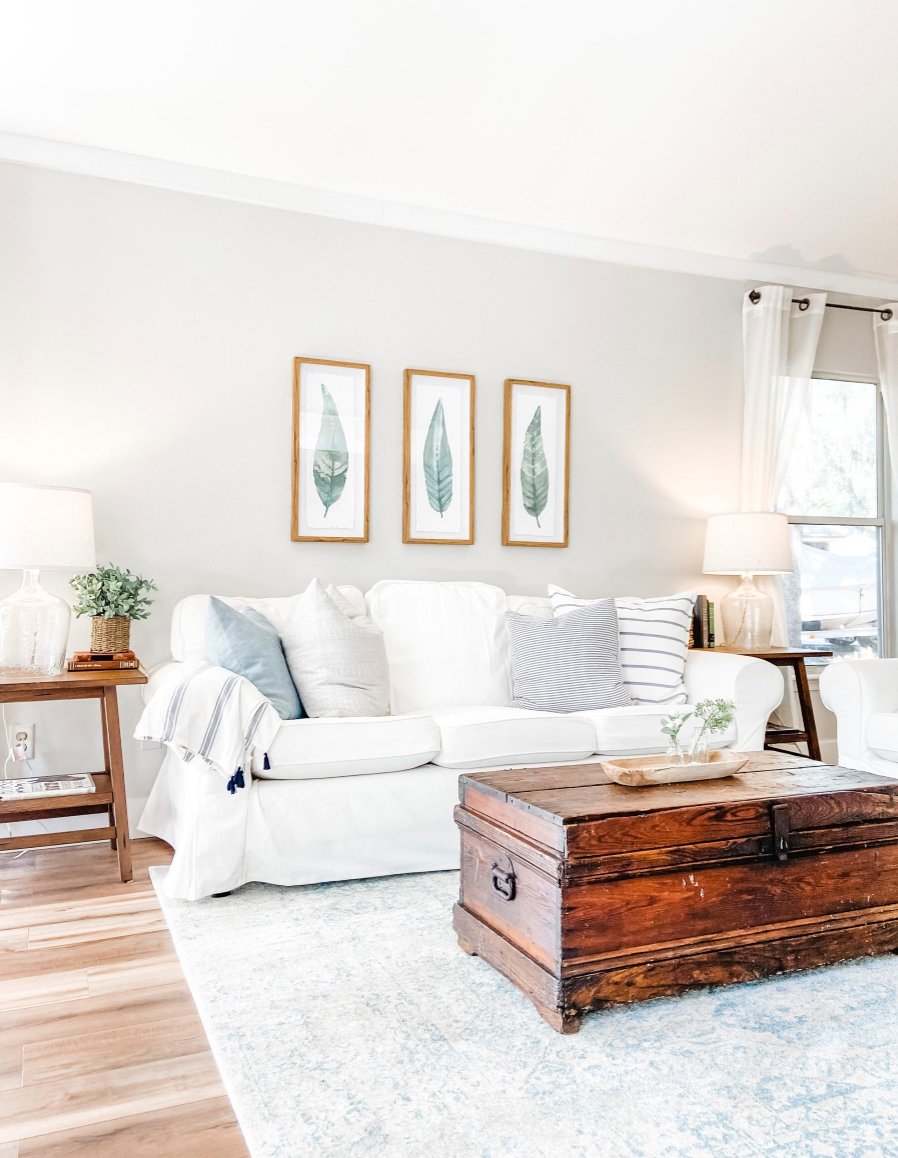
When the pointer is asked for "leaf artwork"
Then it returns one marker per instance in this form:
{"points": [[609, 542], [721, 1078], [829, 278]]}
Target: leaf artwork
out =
{"points": [[438, 462], [330, 465], [534, 468]]}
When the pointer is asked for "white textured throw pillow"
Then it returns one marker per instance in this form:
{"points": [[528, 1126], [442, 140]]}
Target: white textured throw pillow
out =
{"points": [[654, 641], [569, 664], [337, 660]]}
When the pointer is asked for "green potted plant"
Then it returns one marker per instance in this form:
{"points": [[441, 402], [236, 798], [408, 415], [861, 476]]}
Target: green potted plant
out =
{"points": [[112, 596]]}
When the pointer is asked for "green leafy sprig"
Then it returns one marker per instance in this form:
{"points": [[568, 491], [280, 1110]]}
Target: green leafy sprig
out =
{"points": [[716, 715], [112, 592], [672, 724]]}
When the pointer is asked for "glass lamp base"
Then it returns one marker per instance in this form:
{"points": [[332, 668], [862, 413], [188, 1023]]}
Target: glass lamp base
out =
{"points": [[34, 629], [747, 617]]}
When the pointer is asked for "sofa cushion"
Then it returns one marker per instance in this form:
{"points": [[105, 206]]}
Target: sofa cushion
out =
{"points": [[248, 645], [446, 643], [882, 734], [567, 664], [654, 639], [188, 624], [337, 660], [489, 737], [315, 749], [637, 729]]}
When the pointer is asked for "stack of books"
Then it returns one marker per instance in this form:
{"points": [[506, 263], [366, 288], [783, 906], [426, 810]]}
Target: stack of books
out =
{"points": [[703, 623], [103, 661]]}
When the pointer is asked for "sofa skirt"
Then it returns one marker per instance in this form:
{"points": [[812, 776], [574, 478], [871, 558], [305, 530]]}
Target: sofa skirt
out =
{"points": [[298, 832]]}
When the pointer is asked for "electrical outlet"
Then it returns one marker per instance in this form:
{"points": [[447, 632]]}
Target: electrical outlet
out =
{"points": [[22, 736]]}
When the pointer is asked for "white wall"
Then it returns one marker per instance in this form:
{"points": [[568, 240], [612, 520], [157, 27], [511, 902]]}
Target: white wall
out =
{"points": [[146, 349]]}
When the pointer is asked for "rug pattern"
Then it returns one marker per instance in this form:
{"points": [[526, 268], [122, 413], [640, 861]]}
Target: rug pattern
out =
{"points": [[346, 1022]]}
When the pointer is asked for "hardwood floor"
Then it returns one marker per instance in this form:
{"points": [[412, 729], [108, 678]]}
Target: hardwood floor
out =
{"points": [[102, 1053]]}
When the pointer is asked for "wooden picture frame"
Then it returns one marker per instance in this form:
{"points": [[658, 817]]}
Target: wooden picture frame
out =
{"points": [[438, 457], [538, 518], [331, 451]]}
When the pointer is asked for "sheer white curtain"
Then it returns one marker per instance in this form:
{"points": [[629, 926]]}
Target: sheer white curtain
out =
{"points": [[885, 337], [779, 347]]}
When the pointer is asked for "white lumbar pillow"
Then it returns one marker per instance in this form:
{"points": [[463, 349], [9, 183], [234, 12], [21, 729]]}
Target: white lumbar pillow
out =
{"points": [[336, 658]]}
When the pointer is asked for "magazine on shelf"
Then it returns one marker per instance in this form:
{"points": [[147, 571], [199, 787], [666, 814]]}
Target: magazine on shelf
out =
{"points": [[29, 787]]}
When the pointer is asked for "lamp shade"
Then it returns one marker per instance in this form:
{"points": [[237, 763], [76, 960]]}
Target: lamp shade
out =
{"points": [[753, 542], [45, 528]]}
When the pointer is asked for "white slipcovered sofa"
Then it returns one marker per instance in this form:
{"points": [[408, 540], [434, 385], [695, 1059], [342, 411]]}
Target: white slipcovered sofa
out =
{"points": [[359, 797], [863, 696]]}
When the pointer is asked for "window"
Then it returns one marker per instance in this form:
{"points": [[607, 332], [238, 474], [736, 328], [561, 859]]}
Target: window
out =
{"points": [[834, 496]]}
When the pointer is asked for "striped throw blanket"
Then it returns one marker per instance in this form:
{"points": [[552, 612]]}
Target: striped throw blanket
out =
{"points": [[212, 715]]}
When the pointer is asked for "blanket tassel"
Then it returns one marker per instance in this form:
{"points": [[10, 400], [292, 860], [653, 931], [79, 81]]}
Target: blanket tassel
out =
{"points": [[236, 782], [266, 763]]}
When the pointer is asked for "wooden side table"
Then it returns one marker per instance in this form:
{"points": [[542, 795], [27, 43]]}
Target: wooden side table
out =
{"points": [[794, 658], [109, 797]]}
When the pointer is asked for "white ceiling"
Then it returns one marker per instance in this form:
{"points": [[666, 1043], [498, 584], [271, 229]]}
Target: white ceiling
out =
{"points": [[763, 130]]}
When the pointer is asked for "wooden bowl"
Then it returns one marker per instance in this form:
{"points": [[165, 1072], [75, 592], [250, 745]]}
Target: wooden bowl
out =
{"points": [[644, 771]]}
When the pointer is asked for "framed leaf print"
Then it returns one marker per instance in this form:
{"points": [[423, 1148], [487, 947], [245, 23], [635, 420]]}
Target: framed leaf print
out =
{"points": [[331, 446], [536, 464], [438, 458]]}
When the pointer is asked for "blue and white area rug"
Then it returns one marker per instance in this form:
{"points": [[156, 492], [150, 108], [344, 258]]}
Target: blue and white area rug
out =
{"points": [[346, 1022]]}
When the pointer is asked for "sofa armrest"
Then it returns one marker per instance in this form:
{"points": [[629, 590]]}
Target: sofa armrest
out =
{"points": [[159, 676], [755, 686], [853, 690]]}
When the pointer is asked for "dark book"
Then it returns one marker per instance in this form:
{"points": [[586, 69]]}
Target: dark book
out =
{"points": [[100, 655], [700, 622]]}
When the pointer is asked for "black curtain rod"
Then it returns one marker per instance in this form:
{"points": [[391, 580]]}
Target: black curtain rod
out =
{"points": [[804, 303]]}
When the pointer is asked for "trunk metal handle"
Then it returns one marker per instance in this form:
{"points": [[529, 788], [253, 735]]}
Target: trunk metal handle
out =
{"points": [[505, 881]]}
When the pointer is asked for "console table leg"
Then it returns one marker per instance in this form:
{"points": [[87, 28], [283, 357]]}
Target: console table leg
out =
{"points": [[112, 729], [110, 810]]}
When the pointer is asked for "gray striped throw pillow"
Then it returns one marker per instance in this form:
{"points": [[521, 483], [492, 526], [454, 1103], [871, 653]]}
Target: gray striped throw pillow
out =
{"points": [[569, 664], [654, 640]]}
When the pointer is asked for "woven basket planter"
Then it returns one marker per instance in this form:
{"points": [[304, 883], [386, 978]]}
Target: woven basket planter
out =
{"points": [[113, 634]]}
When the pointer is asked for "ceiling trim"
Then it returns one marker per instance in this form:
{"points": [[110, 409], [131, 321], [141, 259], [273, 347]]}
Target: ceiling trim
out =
{"points": [[90, 161]]}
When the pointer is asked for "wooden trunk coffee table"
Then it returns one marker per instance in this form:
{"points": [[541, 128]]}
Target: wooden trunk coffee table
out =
{"points": [[585, 894]]}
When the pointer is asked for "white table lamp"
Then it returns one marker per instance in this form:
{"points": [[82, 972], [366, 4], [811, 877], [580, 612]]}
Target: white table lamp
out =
{"points": [[748, 544], [41, 529]]}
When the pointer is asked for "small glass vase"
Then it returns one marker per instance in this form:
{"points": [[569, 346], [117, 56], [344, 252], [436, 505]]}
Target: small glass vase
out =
{"points": [[698, 750], [675, 755]]}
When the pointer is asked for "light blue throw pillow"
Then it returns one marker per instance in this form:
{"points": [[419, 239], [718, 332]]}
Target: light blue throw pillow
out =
{"points": [[249, 646]]}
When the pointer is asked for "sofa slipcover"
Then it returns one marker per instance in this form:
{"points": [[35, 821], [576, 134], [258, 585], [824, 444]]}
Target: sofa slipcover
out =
{"points": [[328, 810]]}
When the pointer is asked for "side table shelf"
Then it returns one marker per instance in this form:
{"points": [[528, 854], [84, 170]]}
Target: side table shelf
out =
{"points": [[109, 798]]}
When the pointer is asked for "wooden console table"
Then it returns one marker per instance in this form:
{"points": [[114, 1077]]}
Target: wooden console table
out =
{"points": [[794, 658], [109, 797]]}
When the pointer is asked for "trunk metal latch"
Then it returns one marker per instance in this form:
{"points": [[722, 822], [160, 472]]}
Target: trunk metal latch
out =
{"points": [[779, 818]]}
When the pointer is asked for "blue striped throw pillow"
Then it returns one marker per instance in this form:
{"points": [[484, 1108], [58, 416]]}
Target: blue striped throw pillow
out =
{"points": [[569, 664], [654, 640]]}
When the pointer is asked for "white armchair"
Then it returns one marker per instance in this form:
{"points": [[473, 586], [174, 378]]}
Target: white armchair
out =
{"points": [[863, 696]]}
